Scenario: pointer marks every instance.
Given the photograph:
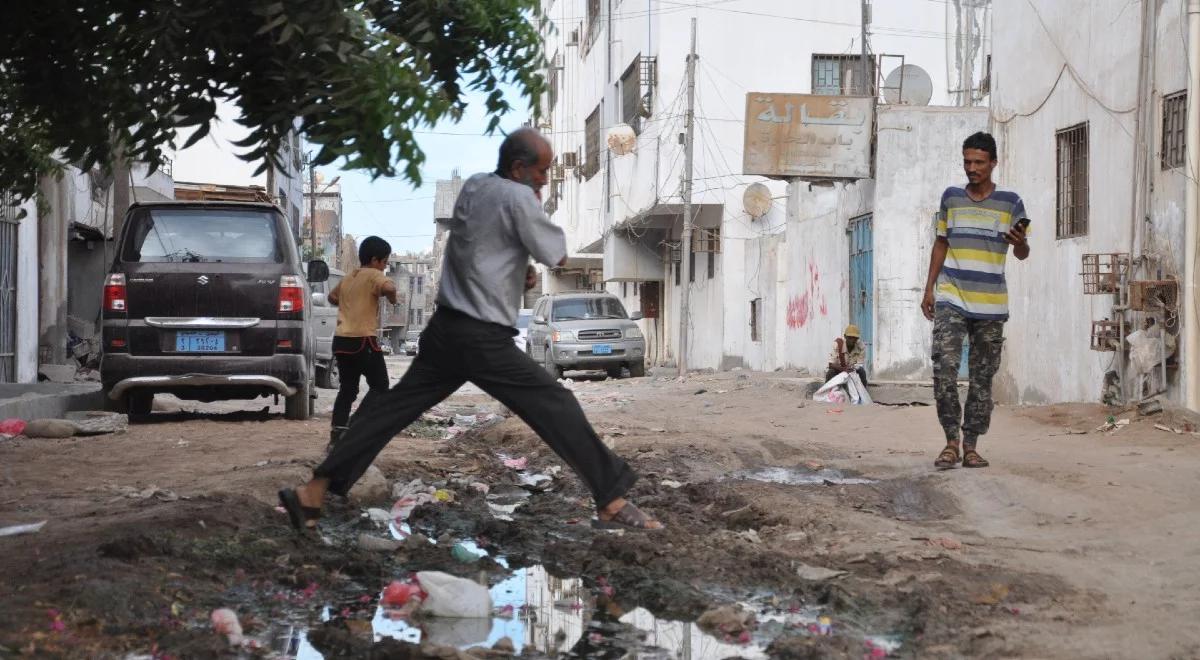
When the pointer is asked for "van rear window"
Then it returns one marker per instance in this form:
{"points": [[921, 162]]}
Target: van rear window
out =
{"points": [[203, 236]]}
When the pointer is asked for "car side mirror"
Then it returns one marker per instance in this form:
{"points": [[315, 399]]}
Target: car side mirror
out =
{"points": [[318, 271], [319, 300], [636, 316], [539, 320]]}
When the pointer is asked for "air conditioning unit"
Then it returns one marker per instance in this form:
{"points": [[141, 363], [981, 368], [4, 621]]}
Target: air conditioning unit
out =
{"points": [[573, 39], [672, 253], [559, 173], [570, 159], [558, 62]]}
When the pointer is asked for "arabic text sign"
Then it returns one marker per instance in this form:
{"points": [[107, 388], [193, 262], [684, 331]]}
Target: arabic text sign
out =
{"points": [[808, 135]]}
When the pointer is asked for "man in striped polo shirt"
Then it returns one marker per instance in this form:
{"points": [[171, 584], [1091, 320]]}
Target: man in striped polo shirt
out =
{"points": [[966, 296]]}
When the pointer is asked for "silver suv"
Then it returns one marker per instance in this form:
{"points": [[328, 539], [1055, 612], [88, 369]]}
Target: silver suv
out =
{"points": [[586, 331]]}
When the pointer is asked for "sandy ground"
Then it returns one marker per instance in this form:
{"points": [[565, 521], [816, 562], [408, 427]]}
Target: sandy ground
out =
{"points": [[1075, 543]]}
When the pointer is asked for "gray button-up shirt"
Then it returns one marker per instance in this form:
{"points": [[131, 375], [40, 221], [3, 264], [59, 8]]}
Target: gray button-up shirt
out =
{"points": [[498, 224]]}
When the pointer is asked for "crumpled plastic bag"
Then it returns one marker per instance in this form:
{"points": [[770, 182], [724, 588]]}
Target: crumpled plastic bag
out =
{"points": [[454, 597], [842, 388], [12, 427]]}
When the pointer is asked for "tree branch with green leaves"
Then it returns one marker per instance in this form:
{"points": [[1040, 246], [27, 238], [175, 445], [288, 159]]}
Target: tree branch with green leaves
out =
{"points": [[83, 80]]}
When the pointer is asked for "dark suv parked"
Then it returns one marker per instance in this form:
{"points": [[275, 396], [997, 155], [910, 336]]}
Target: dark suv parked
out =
{"points": [[208, 301]]}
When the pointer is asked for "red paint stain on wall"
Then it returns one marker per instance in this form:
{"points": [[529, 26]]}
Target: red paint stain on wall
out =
{"points": [[802, 308]]}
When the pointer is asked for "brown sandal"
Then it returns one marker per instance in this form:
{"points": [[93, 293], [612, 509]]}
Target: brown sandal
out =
{"points": [[948, 458], [628, 517], [972, 459]]}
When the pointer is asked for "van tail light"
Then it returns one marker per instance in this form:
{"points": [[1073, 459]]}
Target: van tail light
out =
{"points": [[291, 294], [114, 293]]}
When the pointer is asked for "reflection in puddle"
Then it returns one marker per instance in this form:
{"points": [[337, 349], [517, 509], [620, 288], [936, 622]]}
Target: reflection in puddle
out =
{"points": [[800, 477], [545, 615]]}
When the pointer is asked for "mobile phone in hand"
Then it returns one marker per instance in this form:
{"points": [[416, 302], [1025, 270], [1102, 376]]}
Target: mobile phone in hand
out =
{"points": [[1023, 223]]}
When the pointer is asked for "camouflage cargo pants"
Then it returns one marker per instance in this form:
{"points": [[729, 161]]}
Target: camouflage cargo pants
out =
{"points": [[986, 338]]}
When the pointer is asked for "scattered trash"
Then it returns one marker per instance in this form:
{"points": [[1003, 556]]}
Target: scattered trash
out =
{"points": [[537, 483], [1151, 407], [376, 544], [834, 411], [157, 493], [12, 427], [443, 495], [1168, 429], [465, 420], [824, 626], [379, 516], [56, 622], [817, 573], [16, 530], [411, 488], [404, 506], [669, 483], [225, 622], [794, 477], [701, 391], [516, 463], [728, 620], [1112, 425], [464, 554], [398, 594], [480, 487], [454, 597]]}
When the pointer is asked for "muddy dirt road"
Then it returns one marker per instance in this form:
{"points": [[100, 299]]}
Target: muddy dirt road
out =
{"points": [[827, 525]]}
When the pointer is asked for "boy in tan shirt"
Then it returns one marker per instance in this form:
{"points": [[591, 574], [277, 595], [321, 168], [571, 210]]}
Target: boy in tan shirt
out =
{"points": [[356, 340]]}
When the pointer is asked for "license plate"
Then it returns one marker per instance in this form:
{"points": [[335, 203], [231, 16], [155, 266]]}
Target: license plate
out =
{"points": [[602, 349], [206, 341]]}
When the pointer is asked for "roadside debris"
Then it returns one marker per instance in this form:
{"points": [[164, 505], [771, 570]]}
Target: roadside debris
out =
{"points": [[12, 427], [454, 597], [672, 484], [377, 544], [462, 553], [817, 573], [151, 491], [17, 530], [372, 487], [1112, 425], [517, 463], [946, 542], [225, 622], [398, 594], [730, 620]]}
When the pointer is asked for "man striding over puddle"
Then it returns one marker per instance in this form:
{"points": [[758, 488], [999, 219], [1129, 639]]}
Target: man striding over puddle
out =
{"points": [[498, 225], [966, 296]]}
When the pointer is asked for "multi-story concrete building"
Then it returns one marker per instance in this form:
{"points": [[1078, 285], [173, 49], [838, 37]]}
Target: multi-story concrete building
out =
{"points": [[615, 112], [328, 203]]}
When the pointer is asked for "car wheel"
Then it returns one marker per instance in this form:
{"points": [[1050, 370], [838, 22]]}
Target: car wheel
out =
{"points": [[299, 405], [637, 369], [328, 377], [139, 405], [548, 362], [615, 372]]}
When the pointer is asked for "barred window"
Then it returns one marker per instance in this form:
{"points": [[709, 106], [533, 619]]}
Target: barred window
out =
{"points": [[1174, 130], [1072, 196], [591, 127], [841, 75]]}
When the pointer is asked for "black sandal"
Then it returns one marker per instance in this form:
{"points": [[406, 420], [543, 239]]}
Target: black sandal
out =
{"points": [[948, 458], [298, 514], [628, 517]]}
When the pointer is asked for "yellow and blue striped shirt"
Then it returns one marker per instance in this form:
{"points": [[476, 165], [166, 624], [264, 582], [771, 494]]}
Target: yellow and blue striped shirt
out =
{"points": [[972, 278]]}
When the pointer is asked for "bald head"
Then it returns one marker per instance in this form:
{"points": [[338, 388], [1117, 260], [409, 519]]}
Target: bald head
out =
{"points": [[523, 152]]}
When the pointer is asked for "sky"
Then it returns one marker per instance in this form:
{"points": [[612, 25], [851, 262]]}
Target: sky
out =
{"points": [[390, 208]]}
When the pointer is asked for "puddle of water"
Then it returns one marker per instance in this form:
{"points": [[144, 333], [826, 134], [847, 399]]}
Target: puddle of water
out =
{"points": [[800, 477]]}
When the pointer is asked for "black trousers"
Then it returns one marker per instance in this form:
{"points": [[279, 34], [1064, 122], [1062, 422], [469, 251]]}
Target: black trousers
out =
{"points": [[357, 357], [455, 349]]}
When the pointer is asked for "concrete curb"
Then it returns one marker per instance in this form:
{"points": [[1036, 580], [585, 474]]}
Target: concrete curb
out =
{"points": [[48, 400]]}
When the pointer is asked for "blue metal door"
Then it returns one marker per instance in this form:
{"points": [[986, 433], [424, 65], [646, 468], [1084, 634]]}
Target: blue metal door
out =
{"points": [[862, 282]]}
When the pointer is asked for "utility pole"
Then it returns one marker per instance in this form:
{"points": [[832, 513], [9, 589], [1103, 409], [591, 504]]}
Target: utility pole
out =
{"points": [[866, 20], [685, 251], [312, 210]]}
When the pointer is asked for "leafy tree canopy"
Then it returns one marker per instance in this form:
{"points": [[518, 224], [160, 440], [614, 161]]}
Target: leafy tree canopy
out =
{"points": [[81, 80]]}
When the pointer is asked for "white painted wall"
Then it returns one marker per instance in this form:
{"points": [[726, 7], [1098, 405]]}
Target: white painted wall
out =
{"points": [[744, 45], [920, 155], [27, 295], [1099, 39]]}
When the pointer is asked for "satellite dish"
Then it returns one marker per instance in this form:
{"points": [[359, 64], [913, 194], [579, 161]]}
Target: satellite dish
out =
{"points": [[908, 85], [757, 200], [622, 139]]}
